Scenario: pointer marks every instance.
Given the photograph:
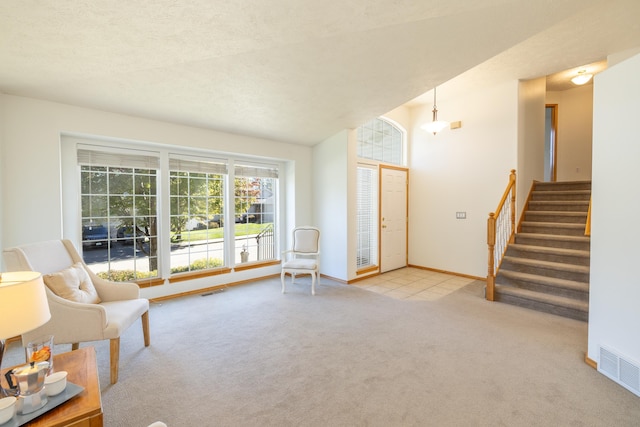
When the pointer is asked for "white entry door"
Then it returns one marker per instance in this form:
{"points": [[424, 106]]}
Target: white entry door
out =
{"points": [[393, 218]]}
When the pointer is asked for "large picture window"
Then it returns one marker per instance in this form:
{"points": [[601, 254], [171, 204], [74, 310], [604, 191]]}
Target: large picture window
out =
{"points": [[148, 216]]}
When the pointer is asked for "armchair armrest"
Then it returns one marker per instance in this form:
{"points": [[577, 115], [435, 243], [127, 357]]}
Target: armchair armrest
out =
{"points": [[115, 291]]}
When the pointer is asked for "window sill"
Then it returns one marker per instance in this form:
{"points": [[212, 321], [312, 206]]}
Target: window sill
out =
{"points": [[198, 274], [366, 270], [249, 266], [147, 283]]}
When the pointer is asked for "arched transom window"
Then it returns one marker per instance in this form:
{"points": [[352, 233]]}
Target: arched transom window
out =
{"points": [[380, 140]]}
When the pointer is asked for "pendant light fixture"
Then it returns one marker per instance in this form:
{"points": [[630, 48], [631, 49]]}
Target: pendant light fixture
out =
{"points": [[436, 125], [582, 77]]}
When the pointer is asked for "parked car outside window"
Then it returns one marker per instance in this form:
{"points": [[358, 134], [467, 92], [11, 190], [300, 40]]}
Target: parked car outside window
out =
{"points": [[258, 213], [95, 235]]}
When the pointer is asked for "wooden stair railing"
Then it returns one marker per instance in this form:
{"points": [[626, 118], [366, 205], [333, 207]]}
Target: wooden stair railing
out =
{"points": [[587, 228], [501, 227]]}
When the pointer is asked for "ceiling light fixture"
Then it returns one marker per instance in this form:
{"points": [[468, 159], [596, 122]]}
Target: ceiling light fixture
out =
{"points": [[582, 77], [436, 125]]}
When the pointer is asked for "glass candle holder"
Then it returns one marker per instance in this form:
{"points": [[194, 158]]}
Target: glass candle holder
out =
{"points": [[40, 350]]}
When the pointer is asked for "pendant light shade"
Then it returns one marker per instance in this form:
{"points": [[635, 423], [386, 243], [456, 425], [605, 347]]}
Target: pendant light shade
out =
{"points": [[582, 77]]}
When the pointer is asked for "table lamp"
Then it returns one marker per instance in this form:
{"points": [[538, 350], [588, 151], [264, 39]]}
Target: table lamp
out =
{"points": [[23, 306]]}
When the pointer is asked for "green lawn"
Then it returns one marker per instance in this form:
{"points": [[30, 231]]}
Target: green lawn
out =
{"points": [[218, 233]]}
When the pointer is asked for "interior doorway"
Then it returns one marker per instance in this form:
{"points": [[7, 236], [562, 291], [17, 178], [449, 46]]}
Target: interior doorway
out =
{"points": [[550, 142], [393, 217]]}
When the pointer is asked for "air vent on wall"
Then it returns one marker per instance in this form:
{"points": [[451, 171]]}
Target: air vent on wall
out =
{"points": [[620, 369]]}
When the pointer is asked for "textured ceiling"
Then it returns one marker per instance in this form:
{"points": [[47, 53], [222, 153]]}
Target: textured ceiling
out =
{"points": [[295, 71]]}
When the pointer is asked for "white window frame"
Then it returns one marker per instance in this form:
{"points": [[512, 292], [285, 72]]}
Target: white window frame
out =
{"points": [[367, 222], [200, 165], [70, 184]]}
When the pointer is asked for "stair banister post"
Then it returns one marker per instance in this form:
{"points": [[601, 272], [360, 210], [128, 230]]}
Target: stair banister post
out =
{"points": [[512, 180], [491, 242]]}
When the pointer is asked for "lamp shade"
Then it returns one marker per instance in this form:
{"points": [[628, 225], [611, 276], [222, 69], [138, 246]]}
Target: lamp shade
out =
{"points": [[582, 78], [23, 303], [435, 127]]}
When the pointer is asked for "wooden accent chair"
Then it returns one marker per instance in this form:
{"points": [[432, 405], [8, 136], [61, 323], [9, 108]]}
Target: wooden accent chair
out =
{"points": [[304, 256], [115, 307]]}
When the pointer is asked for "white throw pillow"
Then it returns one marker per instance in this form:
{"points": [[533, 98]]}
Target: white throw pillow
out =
{"points": [[74, 284]]}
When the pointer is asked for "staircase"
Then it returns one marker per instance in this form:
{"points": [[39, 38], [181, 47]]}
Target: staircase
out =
{"points": [[547, 268]]}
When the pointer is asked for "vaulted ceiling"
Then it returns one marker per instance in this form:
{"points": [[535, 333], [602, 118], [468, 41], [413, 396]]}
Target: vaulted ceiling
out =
{"points": [[295, 71]]}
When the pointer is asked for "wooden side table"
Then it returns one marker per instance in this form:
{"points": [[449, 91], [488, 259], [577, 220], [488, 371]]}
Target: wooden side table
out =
{"points": [[85, 409]]}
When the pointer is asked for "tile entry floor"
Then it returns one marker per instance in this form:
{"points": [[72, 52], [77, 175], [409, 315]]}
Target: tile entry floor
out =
{"points": [[414, 284]]}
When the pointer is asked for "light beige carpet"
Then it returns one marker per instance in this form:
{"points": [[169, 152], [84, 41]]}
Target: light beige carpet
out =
{"points": [[250, 356]]}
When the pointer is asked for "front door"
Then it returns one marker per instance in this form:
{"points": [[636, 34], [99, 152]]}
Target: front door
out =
{"points": [[393, 217]]}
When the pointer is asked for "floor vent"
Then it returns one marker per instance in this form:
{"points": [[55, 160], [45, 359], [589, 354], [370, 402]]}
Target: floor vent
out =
{"points": [[620, 369]]}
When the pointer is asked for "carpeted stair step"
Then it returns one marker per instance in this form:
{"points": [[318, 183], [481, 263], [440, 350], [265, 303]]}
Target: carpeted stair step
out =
{"points": [[554, 241], [556, 216], [561, 195], [563, 185], [547, 285], [558, 228], [545, 253], [578, 273], [559, 205], [553, 304]]}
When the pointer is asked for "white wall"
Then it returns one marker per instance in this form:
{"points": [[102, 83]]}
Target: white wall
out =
{"points": [[2, 161], [462, 170], [531, 111], [330, 197], [574, 139], [31, 190], [614, 306]]}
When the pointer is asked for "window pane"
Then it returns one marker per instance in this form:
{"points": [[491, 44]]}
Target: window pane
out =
{"points": [[255, 218], [95, 181], [366, 193], [120, 183], [197, 220], [119, 226]]}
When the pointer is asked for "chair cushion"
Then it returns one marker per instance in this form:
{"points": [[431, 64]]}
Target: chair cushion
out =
{"points": [[122, 314], [74, 284], [300, 263]]}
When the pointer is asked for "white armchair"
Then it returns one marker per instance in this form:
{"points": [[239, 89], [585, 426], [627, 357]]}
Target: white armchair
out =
{"points": [[304, 256], [74, 322]]}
